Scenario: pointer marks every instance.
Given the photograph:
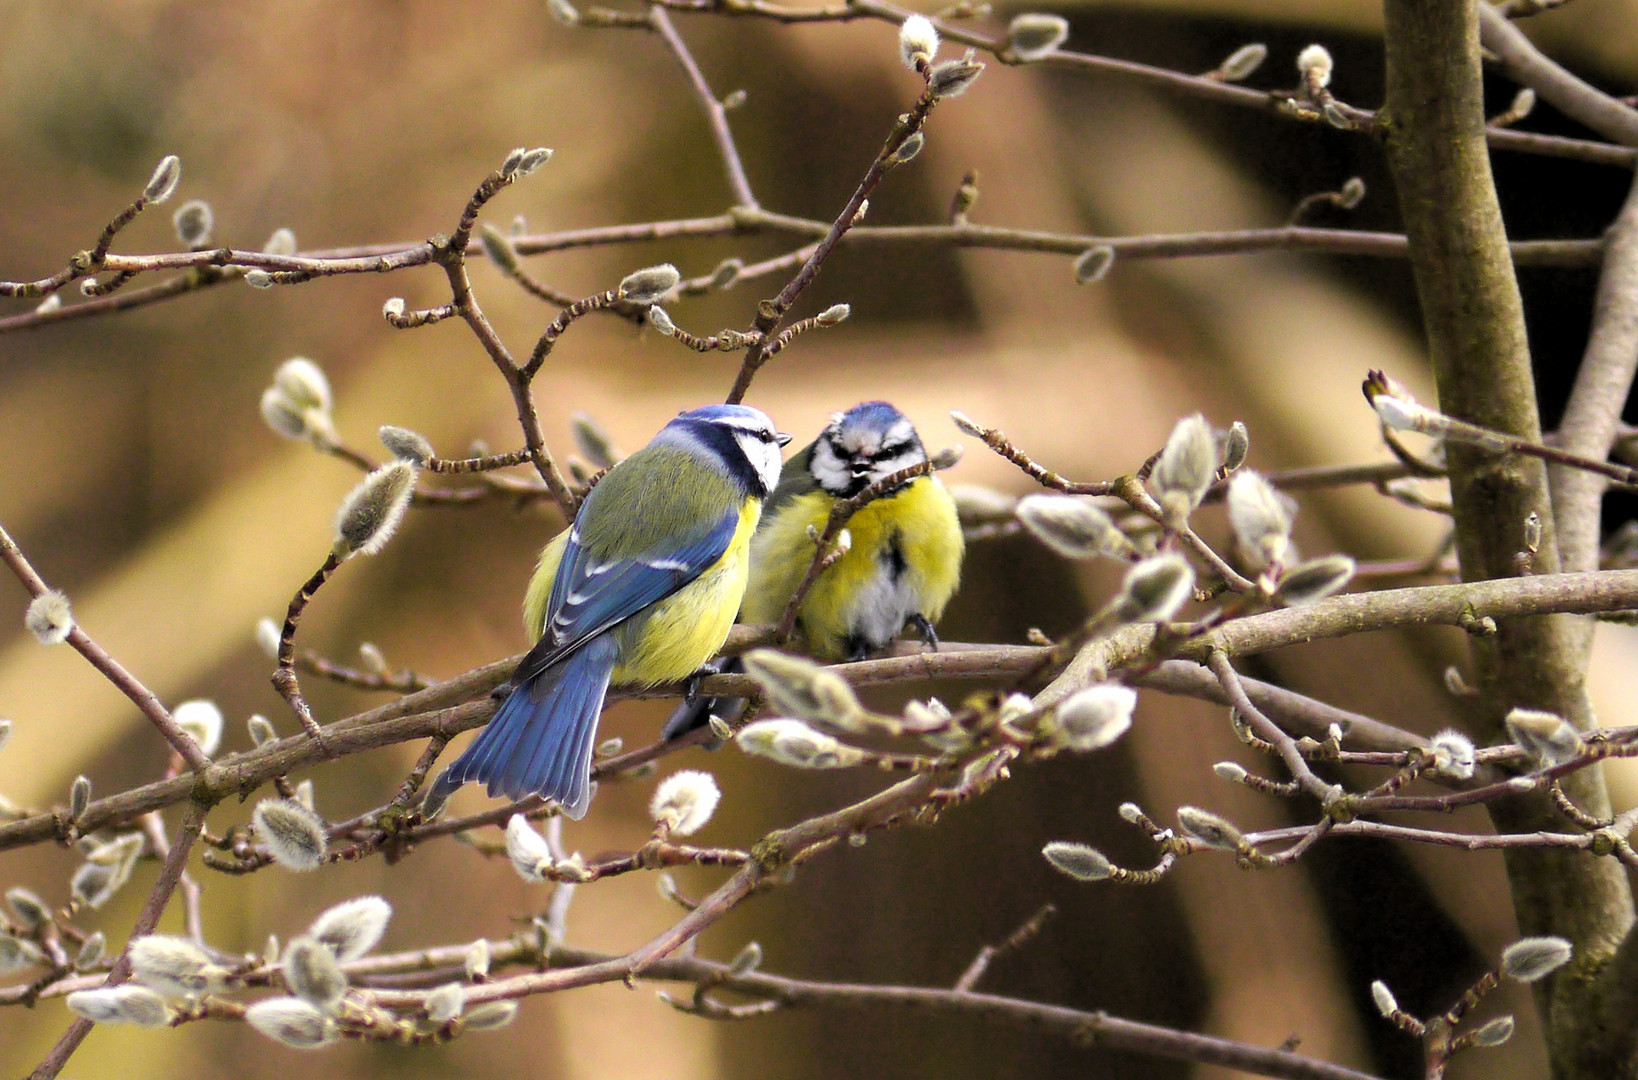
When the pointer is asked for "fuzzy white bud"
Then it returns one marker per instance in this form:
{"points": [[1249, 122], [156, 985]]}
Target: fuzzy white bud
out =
{"points": [[1078, 861], [909, 149], [531, 856], [1398, 414], [303, 383], [491, 1015], [477, 960], [1209, 828], [1315, 65], [294, 835], [166, 176], [834, 314], [193, 221], [727, 272], [522, 161], [202, 721], [29, 910], [791, 742], [803, 689], [282, 242], [1261, 518], [1453, 754], [563, 11], [353, 927], [79, 797], [1352, 193], [107, 868], [312, 973], [407, 445], [1314, 580], [49, 617], [1383, 998], [1232, 771], [1533, 958], [174, 966], [1093, 264], [18, 953], [1186, 468], [125, 1004], [371, 512], [91, 951], [593, 441], [649, 285], [1235, 444], [952, 78], [258, 278], [1034, 36], [685, 801], [261, 730], [1494, 1032], [918, 41], [1093, 718], [1073, 526], [498, 247], [1547, 737], [445, 1002], [1242, 62], [292, 1022], [1155, 589], [660, 321]]}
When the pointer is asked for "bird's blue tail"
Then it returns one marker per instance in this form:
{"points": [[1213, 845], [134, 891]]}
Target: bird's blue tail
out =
{"points": [[540, 742]]}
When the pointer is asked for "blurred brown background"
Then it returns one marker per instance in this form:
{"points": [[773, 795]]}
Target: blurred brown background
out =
{"points": [[141, 480]]}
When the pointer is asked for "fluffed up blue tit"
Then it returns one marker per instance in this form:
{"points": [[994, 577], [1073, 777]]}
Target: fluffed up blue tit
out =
{"points": [[641, 589], [904, 562]]}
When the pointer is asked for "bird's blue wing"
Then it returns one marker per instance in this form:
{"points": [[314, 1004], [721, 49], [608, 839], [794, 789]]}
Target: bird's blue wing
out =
{"points": [[591, 594]]}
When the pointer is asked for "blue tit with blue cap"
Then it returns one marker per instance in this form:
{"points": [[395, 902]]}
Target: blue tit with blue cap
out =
{"points": [[641, 589], [901, 569]]}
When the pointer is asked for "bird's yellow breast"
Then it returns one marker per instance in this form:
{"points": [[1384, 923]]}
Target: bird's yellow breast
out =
{"points": [[916, 529]]}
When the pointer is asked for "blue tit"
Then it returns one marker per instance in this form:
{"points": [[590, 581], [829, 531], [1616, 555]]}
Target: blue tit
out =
{"points": [[902, 568], [641, 589]]}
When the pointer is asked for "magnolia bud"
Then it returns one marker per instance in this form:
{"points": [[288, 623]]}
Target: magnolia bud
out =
{"points": [[312, 973], [918, 41], [1547, 737], [1261, 519], [407, 445], [1532, 958], [530, 854], [193, 221], [791, 742], [1033, 36], [1186, 468], [1209, 829], [1242, 62], [953, 77], [370, 513], [1095, 717], [49, 617], [1453, 754], [166, 176], [1155, 589], [1078, 861], [292, 1022], [202, 721], [685, 801], [1073, 526], [1314, 63], [294, 835], [353, 927], [1385, 1002], [1314, 580], [648, 286]]}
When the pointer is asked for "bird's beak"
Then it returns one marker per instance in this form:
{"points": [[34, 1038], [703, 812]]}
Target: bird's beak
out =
{"points": [[783, 437]]}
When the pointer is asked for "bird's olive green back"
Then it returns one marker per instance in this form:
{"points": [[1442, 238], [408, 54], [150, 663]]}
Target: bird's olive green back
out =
{"points": [[655, 500]]}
